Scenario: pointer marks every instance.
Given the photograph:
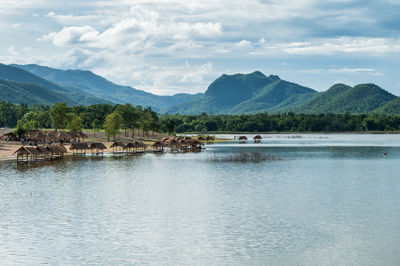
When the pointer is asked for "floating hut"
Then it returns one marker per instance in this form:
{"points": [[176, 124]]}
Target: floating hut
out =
{"points": [[257, 139], [97, 148], [242, 139], [79, 148], [157, 147], [140, 147], [40, 153], [118, 147]]}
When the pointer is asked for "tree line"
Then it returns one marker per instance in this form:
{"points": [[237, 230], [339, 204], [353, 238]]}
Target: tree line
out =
{"points": [[110, 118], [113, 118]]}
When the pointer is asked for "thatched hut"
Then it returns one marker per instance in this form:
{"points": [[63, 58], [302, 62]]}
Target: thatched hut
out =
{"points": [[62, 137], [26, 154], [9, 136], [257, 139], [118, 147], [157, 147], [140, 146], [97, 148], [201, 138], [242, 139], [79, 148]]}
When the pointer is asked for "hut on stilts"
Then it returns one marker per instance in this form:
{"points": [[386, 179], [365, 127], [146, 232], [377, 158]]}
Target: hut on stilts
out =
{"points": [[118, 147], [242, 139], [79, 148], [257, 139], [97, 148], [157, 147]]}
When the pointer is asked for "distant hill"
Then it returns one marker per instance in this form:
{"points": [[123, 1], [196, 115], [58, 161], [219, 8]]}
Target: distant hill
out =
{"points": [[11, 73], [246, 93], [88, 83], [340, 98], [390, 108], [29, 93]]}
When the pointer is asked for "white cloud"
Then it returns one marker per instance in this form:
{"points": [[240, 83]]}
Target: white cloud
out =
{"points": [[342, 45]]}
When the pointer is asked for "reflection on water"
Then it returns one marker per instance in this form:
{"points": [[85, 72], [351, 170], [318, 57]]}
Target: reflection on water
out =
{"points": [[319, 205]]}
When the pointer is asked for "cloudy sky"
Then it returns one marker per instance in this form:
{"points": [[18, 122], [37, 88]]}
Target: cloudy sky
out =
{"points": [[173, 46]]}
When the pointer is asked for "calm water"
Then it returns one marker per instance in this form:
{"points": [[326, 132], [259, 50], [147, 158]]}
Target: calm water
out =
{"points": [[330, 200]]}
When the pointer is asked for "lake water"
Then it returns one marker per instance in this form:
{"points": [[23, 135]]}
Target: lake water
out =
{"points": [[329, 200]]}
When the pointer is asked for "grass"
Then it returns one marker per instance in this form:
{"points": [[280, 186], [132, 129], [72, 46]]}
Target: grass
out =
{"points": [[243, 157]]}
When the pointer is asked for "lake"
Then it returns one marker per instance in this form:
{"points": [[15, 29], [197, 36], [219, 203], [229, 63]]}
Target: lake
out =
{"points": [[329, 199]]}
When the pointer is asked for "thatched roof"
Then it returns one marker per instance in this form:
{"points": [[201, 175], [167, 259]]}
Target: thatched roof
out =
{"points": [[72, 135], [62, 135], [188, 138], [242, 138], [11, 133], [82, 135], [140, 144], [157, 144], [257, 137], [201, 138], [57, 148], [24, 150], [98, 145], [79, 146], [117, 144]]}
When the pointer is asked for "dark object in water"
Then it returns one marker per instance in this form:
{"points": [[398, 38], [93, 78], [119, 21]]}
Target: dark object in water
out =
{"points": [[254, 157]]}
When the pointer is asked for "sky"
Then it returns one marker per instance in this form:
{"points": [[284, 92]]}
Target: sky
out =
{"points": [[181, 46]]}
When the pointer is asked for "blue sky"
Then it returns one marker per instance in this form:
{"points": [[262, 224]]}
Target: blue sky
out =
{"points": [[171, 46]]}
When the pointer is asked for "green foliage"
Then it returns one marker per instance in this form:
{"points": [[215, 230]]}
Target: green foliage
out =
{"points": [[19, 130], [286, 122], [59, 113], [74, 123], [340, 98], [113, 124]]}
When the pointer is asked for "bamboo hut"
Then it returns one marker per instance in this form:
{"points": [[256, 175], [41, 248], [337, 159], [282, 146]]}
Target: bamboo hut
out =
{"points": [[157, 147], [79, 148], [97, 148], [174, 145], [140, 147], [82, 136], [26, 154], [242, 139], [257, 139], [57, 151], [118, 147], [9, 136]]}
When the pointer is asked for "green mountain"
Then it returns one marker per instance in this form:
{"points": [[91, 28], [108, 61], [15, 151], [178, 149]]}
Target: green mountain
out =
{"points": [[246, 93], [11, 73], [340, 98], [88, 83], [390, 108], [29, 93]]}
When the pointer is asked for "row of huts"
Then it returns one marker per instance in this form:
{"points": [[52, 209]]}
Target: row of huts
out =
{"points": [[256, 139], [37, 136], [40, 153], [185, 144]]}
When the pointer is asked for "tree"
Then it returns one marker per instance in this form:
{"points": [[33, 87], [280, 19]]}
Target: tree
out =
{"points": [[19, 130], [96, 125], [74, 123], [170, 125], [112, 125], [59, 115]]}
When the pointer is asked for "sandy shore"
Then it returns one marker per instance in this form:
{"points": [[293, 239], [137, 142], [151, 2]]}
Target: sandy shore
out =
{"points": [[6, 150]]}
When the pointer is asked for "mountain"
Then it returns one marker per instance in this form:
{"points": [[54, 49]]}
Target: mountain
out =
{"points": [[246, 93], [390, 108], [29, 93], [11, 73], [340, 98], [88, 83]]}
